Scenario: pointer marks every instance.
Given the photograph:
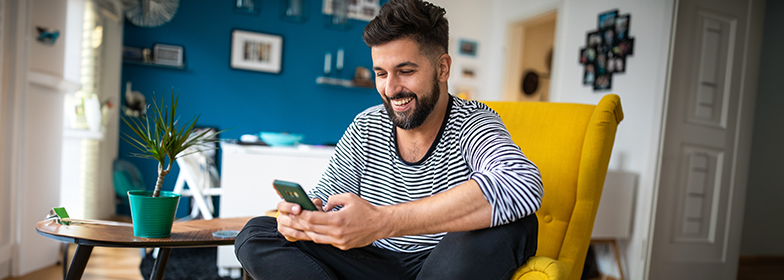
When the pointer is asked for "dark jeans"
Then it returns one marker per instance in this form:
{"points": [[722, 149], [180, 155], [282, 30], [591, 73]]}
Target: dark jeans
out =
{"points": [[493, 253]]}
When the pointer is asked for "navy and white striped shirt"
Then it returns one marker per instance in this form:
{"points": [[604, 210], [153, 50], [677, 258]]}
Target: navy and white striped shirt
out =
{"points": [[473, 143]]}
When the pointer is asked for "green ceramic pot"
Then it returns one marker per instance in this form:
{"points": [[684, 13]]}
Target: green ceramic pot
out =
{"points": [[153, 216]]}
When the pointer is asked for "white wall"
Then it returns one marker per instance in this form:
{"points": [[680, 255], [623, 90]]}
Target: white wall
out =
{"points": [[32, 108], [48, 58], [762, 229], [41, 116], [641, 88], [468, 19]]}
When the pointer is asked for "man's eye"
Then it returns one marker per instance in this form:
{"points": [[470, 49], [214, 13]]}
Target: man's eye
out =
{"points": [[406, 71], [381, 74]]}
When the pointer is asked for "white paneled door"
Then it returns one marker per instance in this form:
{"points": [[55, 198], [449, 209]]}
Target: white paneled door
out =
{"points": [[707, 139]]}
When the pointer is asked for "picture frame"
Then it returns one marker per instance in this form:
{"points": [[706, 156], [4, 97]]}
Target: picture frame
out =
{"points": [[622, 26], [365, 10], [169, 55], [256, 51], [606, 50], [467, 47], [247, 7], [607, 19]]}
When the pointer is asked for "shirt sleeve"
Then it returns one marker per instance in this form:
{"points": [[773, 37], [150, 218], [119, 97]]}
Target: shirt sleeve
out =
{"points": [[344, 172], [509, 181]]}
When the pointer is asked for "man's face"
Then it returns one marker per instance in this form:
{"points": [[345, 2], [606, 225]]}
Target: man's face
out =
{"points": [[407, 82]]}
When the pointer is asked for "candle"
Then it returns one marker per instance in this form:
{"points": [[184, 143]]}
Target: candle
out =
{"points": [[327, 63], [339, 60]]}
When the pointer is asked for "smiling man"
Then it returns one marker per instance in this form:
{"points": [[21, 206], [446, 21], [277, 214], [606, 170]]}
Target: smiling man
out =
{"points": [[427, 186]]}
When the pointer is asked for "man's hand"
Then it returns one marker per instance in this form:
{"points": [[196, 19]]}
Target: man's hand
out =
{"points": [[356, 224], [287, 225]]}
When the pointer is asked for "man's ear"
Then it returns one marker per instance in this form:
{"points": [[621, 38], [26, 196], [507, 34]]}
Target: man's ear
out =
{"points": [[444, 65]]}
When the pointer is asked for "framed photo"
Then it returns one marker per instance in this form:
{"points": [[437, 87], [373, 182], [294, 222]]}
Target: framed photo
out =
{"points": [[256, 51], [622, 27], [607, 19], [589, 74], [357, 9], [168, 55], [587, 56], [469, 72], [467, 47], [602, 82], [247, 7], [594, 39]]}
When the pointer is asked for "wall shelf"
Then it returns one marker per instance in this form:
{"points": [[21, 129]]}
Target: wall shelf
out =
{"points": [[341, 82], [136, 62]]}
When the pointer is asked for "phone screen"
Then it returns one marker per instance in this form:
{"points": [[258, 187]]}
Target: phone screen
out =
{"points": [[293, 192]]}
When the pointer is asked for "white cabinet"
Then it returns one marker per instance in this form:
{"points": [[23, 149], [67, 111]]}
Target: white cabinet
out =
{"points": [[247, 173]]}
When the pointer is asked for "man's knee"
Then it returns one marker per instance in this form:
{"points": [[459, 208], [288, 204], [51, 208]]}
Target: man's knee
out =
{"points": [[487, 253], [254, 242], [521, 234]]}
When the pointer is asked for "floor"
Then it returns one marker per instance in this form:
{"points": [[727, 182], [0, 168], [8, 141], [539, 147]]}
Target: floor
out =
{"points": [[761, 268], [123, 264], [105, 264]]}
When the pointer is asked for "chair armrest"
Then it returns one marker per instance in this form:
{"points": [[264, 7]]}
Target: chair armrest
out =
{"points": [[542, 268]]}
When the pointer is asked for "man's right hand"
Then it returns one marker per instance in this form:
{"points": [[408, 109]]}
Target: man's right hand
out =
{"points": [[290, 229]]}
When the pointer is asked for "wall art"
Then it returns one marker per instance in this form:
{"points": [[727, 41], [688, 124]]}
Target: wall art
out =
{"points": [[606, 50], [256, 51]]}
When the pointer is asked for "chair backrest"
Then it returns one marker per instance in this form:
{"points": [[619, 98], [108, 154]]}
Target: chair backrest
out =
{"points": [[571, 145]]}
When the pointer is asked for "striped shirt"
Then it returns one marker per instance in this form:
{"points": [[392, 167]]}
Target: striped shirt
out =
{"points": [[473, 143]]}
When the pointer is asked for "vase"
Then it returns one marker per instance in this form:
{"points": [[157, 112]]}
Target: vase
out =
{"points": [[152, 216]]}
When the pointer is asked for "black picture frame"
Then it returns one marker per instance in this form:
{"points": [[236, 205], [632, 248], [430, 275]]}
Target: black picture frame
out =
{"points": [[626, 47], [603, 82], [606, 50], [607, 19], [623, 26], [593, 39], [617, 64], [589, 74]]}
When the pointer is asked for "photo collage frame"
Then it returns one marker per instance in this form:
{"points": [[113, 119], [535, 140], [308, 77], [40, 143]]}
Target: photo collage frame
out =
{"points": [[606, 50]]}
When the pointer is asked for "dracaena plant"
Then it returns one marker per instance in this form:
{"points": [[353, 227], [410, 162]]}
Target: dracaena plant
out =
{"points": [[159, 135]]}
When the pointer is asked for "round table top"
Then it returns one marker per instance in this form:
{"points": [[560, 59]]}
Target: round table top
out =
{"points": [[193, 233]]}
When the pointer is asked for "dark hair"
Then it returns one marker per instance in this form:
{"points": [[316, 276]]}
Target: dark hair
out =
{"points": [[418, 20]]}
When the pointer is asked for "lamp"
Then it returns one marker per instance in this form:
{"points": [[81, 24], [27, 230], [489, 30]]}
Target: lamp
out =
{"points": [[614, 216]]}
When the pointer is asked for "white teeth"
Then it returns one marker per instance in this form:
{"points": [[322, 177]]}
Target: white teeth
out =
{"points": [[401, 102]]}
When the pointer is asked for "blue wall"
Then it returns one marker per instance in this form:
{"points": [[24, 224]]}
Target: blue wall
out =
{"points": [[250, 101]]}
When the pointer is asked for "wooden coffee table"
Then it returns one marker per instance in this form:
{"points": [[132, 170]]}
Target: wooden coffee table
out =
{"points": [[194, 233]]}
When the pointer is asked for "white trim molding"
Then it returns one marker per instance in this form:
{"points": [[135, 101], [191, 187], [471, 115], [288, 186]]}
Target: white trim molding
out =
{"points": [[52, 82]]}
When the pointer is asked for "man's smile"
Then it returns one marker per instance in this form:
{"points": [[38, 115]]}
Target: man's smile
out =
{"points": [[401, 104]]}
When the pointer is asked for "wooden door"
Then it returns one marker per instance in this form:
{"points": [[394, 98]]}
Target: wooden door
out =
{"points": [[707, 138]]}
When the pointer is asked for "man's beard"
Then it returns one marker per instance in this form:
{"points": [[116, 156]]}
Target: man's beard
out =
{"points": [[423, 108]]}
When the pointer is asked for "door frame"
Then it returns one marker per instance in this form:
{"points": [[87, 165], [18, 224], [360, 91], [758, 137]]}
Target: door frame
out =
{"points": [[515, 35]]}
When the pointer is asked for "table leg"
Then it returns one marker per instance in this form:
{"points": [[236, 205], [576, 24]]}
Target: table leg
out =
{"points": [[65, 260], [160, 264], [618, 258], [79, 262]]}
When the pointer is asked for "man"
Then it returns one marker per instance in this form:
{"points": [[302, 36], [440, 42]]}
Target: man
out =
{"points": [[427, 186]]}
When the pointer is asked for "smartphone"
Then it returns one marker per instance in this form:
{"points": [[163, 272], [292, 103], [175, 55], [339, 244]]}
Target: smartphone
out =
{"points": [[293, 192]]}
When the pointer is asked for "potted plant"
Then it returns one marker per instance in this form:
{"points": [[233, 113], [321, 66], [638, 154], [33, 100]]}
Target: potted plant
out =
{"points": [[160, 136]]}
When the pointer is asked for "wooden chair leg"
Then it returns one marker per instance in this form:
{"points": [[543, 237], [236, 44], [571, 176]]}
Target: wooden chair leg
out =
{"points": [[246, 276]]}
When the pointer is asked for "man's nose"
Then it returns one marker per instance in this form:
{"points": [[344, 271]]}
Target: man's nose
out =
{"points": [[393, 85]]}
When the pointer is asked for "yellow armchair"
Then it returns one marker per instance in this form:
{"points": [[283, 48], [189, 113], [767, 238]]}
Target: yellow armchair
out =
{"points": [[571, 145]]}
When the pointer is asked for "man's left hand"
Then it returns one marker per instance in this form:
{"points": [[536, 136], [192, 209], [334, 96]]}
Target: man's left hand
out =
{"points": [[356, 224]]}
